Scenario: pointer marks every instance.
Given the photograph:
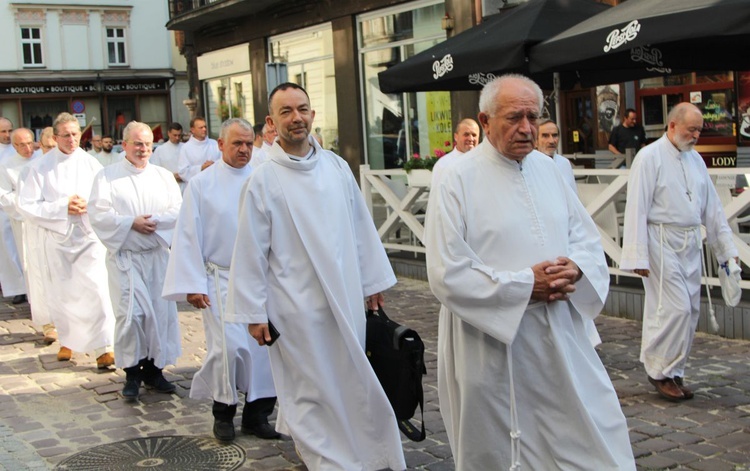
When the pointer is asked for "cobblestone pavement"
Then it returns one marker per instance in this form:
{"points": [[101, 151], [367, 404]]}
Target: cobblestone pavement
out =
{"points": [[50, 410]]}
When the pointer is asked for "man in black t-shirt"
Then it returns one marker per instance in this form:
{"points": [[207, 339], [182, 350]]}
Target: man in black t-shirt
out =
{"points": [[627, 135]]}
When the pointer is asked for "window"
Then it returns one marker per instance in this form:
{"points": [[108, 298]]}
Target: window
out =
{"points": [[31, 45], [116, 46]]}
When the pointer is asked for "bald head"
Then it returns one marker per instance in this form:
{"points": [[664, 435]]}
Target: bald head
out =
{"points": [[23, 141], [685, 123], [5, 129]]}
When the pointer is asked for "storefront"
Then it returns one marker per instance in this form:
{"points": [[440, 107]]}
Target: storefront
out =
{"points": [[227, 86], [104, 105]]}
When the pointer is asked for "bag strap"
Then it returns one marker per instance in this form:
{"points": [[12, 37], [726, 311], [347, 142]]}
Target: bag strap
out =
{"points": [[408, 428]]}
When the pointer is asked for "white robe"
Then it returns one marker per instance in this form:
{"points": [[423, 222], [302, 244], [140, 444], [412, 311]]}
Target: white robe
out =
{"points": [[76, 277], [10, 168], [201, 253], [107, 158], [488, 223], [565, 167], [147, 324], [193, 154], [11, 264], [36, 269], [444, 162], [306, 255], [658, 184], [167, 155], [259, 156]]}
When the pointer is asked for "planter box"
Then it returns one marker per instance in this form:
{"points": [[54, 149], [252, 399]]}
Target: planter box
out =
{"points": [[419, 177]]}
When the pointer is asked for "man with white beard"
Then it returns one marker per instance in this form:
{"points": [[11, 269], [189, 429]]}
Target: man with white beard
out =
{"points": [[54, 196], [167, 154], [670, 195], [23, 142], [134, 208], [199, 152], [198, 271]]}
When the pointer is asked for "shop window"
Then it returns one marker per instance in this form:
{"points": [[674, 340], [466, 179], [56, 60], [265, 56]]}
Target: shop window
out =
{"points": [[228, 97], [400, 125], [116, 46], [31, 47]]}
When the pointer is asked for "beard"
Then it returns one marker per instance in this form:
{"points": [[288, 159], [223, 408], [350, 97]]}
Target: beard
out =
{"points": [[685, 145]]}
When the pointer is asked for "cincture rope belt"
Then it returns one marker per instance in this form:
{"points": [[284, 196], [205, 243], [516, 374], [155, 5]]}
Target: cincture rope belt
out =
{"points": [[515, 433], [124, 262], [694, 230], [214, 270]]}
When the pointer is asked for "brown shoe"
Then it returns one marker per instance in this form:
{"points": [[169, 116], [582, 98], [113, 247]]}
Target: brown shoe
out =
{"points": [[105, 360], [685, 390], [50, 337], [64, 354], [667, 389]]}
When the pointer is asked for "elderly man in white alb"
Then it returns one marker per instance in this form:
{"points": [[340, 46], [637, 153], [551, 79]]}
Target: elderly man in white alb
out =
{"points": [[670, 195], [291, 269], [199, 152], [54, 196], [198, 271], [11, 271], [23, 142], [547, 141], [518, 266], [466, 138], [167, 155], [134, 208]]}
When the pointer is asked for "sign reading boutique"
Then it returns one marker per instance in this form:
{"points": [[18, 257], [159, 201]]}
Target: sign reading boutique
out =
{"points": [[83, 88]]}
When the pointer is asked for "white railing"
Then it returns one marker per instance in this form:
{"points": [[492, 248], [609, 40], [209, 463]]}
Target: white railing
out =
{"points": [[398, 210]]}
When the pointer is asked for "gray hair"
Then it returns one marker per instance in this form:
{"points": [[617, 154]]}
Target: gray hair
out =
{"points": [[677, 114], [241, 122], [134, 126], [487, 98], [64, 118], [548, 121]]}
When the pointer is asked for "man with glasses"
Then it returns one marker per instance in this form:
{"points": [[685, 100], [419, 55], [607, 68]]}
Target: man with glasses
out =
{"points": [[54, 196], [134, 207]]}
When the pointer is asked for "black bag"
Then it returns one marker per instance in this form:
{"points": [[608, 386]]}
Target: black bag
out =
{"points": [[396, 354]]}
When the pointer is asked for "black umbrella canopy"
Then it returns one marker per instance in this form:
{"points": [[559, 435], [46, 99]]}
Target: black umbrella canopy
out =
{"points": [[642, 38], [498, 45]]}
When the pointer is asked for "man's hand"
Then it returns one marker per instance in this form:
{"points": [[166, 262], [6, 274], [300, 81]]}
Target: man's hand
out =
{"points": [[375, 301], [76, 205], [207, 164], [554, 281], [144, 224], [177, 177], [198, 300], [260, 333], [641, 271]]}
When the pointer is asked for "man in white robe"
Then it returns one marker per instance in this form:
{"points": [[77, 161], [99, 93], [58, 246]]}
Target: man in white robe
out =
{"points": [[198, 271], [23, 142], [517, 264], [167, 154], [96, 144], [670, 195], [306, 255], [199, 152], [34, 263], [11, 273], [134, 208], [54, 197], [106, 156], [466, 138], [547, 141]]}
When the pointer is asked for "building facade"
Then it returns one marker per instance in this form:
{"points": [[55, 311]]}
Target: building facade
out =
{"points": [[237, 51], [106, 62]]}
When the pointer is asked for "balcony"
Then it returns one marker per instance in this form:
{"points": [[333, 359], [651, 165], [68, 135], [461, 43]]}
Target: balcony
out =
{"points": [[192, 15]]}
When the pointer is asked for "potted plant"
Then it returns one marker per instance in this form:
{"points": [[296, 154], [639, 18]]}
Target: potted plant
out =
{"points": [[419, 169]]}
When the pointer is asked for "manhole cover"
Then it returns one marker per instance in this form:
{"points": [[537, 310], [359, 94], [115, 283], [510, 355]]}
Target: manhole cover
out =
{"points": [[158, 453]]}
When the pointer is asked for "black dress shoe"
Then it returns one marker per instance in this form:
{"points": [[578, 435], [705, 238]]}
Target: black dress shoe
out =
{"points": [[160, 384], [264, 431], [667, 389], [19, 299], [224, 431], [685, 390], [131, 390]]}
